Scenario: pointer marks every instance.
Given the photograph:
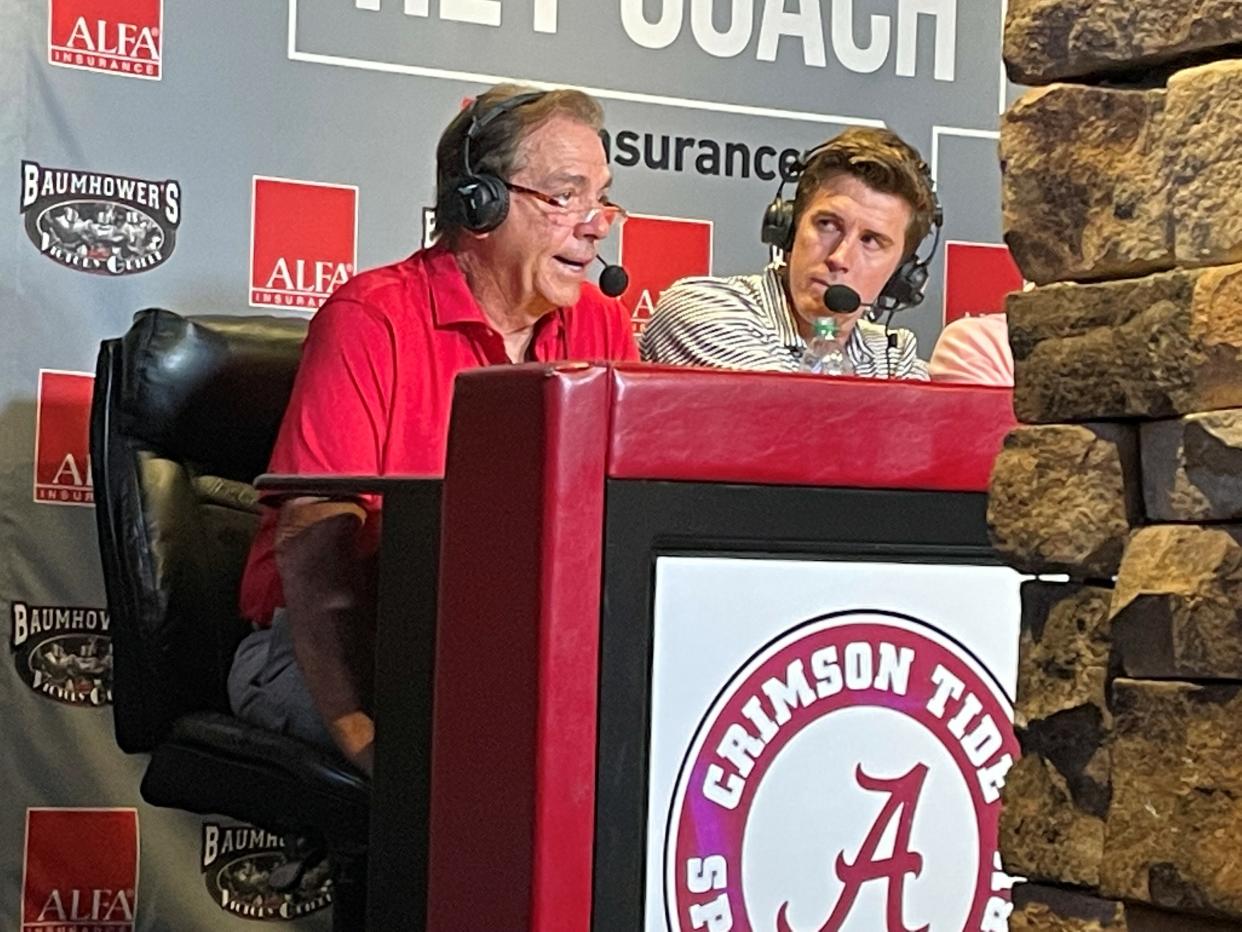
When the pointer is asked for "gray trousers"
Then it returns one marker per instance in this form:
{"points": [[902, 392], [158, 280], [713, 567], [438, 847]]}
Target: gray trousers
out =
{"points": [[266, 687]]}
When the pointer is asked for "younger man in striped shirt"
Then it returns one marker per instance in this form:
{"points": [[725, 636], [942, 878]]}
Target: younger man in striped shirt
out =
{"points": [[864, 203]]}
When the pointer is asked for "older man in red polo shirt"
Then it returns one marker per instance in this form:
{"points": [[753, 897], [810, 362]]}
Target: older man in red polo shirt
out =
{"points": [[521, 205]]}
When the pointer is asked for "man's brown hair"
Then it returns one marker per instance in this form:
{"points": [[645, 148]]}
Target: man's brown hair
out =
{"points": [[883, 161], [496, 147]]}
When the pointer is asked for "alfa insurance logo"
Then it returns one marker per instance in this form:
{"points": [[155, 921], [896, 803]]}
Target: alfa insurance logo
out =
{"points": [[303, 241], [656, 251], [80, 872], [104, 35], [62, 460]]}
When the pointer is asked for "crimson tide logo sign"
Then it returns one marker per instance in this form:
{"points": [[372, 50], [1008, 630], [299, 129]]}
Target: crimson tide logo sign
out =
{"points": [[103, 35], [303, 241], [62, 439], [847, 777], [656, 251], [977, 277], [81, 870]]}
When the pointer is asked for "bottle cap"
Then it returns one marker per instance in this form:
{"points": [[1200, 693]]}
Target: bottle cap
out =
{"points": [[824, 327]]}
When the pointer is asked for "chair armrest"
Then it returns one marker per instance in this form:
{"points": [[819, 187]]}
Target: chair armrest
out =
{"points": [[275, 486]]}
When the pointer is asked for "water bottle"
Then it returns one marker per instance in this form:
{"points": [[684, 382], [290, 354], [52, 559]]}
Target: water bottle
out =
{"points": [[825, 353]]}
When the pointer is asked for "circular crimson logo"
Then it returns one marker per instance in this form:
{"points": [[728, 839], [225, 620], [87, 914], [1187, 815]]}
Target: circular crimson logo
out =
{"points": [[847, 777]]}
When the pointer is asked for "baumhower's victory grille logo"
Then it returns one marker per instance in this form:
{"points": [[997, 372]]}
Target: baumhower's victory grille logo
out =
{"points": [[846, 779], [99, 223], [237, 861], [63, 652]]}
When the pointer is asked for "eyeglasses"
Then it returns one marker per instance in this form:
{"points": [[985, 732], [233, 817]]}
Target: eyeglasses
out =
{"points": [[564, 204]]}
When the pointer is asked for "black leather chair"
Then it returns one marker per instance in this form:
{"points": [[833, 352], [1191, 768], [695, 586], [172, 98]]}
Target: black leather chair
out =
{"points": [[184, 417]]}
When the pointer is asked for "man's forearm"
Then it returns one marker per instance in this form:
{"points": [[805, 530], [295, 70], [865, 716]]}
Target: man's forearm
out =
{"points": [[328, 588]]}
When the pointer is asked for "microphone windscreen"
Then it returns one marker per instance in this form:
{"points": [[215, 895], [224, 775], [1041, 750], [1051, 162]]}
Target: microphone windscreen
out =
{"points": [[613, 280], [842, 298]]}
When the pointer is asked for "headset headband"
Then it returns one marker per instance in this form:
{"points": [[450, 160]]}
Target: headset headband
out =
{"points": [[482, 198]]}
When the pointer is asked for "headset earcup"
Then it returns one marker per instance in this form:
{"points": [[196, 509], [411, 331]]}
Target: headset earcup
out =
{"points": [[777, 229], [904, 287], [484, 202], [916, 281]]}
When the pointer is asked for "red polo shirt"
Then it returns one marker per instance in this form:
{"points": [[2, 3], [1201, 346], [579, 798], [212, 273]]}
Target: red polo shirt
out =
{"points": [[374, 387]]}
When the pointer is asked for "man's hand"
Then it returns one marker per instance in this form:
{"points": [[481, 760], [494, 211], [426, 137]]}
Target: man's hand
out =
{"points": [[354, 734]]}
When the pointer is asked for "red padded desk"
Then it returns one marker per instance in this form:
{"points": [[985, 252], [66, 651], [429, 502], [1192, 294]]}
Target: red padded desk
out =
{"points": [[565, 486]]}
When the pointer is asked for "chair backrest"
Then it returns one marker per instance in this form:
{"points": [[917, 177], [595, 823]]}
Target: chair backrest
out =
{"points": [[184, 416]]}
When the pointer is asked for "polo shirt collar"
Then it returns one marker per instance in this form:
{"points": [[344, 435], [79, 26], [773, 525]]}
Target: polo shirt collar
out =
{"points": [[451, 300], [776, 303]]}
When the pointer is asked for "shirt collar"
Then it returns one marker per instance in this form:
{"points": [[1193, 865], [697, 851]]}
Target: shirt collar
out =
{"points": [[453, 303], [776, 301], [776, 304], [451, 300]]}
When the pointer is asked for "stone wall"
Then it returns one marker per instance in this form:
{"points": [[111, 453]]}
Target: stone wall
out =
{"points": [[1122, 196]]}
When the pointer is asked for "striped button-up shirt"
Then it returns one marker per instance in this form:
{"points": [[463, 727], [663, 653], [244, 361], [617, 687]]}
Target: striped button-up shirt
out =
{"points": [[745, 322]]}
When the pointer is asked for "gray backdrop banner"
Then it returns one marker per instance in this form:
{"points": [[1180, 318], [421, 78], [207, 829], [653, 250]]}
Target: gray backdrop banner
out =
{"points": [[244, 157]]}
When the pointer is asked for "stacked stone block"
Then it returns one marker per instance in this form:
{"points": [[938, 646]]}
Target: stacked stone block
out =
{"points": [[1122, 198]]}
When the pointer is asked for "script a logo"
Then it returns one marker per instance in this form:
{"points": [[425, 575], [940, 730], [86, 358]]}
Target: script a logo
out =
{"points": [[846, 779], [89, 34], [656, 251], [303, 241], [903, 796]]}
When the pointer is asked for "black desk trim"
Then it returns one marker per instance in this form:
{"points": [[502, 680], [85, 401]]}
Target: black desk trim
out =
{"points": [[644, 520]]}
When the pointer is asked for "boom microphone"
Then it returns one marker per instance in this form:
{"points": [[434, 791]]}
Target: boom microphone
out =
{"points": [[614, 280], [842, 299]]}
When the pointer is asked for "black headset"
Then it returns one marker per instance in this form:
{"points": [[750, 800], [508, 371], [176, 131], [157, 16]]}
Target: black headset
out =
{"points": [[904, 288], [482, 198]]}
